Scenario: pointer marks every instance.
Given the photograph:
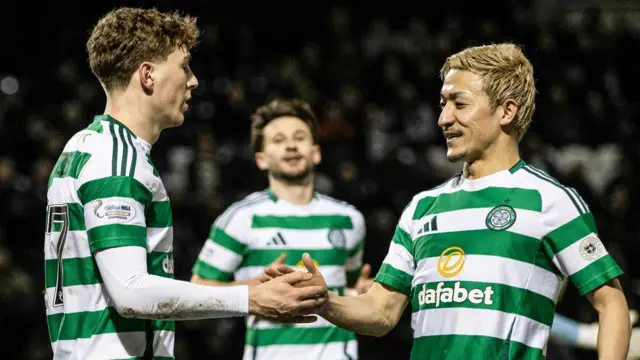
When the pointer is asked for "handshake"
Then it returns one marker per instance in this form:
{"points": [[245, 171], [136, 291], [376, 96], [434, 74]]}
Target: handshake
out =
{"points": [[286, 295]]}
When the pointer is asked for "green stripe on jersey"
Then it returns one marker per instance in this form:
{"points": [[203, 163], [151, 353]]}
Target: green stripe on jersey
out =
{"points": [[565, 235], [108, 236], [481, 295], [596, 274], [69, 164], [525, 199], [134, 156], [84, 271], [221, 238], [454, 347], [83, 325], [208, 272], [120, 186], [125, 152], [401, 237], [264, 258], [96, 126], [159, 215], [297, 336], [399, 280], [312, 222], [485, 242]]}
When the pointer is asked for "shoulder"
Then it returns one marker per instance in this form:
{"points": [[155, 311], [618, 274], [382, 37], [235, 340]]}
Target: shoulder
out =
{"points": [[422, 201], [560, 203], [242, 209], [340, 207], [117, 161]]}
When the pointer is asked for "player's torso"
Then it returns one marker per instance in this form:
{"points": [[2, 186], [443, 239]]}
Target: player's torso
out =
{"points": [[325, 232], [480, 274], [81, 318]]}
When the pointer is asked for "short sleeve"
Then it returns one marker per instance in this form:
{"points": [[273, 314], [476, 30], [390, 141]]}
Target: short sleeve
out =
{"points": [[574, 246], [114, 211], [355, 252], [224, 250], [398, 267]]}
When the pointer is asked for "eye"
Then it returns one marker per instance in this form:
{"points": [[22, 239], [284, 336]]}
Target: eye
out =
{"points": [[460, 105], [442, 104]]}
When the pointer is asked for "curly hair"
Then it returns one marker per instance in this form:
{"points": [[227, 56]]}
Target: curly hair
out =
{"points": [[506, 73], [126, 37]]}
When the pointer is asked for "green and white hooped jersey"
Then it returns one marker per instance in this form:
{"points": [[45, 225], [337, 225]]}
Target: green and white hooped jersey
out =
{"points": [[483, 260], [104, 192], [254, 232]]}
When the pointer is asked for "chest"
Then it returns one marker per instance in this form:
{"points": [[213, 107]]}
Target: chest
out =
{"points": [[491, 222]]}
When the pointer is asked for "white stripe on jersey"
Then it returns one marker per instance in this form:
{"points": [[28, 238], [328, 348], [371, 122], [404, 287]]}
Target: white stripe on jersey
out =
{"points": [[479, 322], [496, 270]]}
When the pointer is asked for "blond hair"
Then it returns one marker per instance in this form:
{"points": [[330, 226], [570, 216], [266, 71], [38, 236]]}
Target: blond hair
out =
{"points": [[506, 73], [126, 37]]}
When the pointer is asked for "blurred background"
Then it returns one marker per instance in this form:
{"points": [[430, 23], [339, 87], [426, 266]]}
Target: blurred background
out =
{"points": [[371, 73]]}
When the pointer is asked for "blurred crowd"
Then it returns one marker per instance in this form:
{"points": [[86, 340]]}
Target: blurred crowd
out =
{"points": [[372, 77]]}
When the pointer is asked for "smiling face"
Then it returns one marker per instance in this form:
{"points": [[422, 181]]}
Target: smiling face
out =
{"points": [[288, 150], [467, 120]]}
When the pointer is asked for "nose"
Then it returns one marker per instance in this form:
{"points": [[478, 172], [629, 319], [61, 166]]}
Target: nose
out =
{"points": [[447, 117], [192, 83]]}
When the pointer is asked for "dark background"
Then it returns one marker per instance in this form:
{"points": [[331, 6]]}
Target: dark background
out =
{"points": [[371, 73]]}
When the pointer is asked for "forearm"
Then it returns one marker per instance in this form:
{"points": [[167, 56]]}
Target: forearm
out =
{"points": [[614, 332], [137, 294], [198, 280], [358, 314]]}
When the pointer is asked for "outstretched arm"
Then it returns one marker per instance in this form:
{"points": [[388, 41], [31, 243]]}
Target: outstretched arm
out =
{"points": [[136, 293], [374, 313]]}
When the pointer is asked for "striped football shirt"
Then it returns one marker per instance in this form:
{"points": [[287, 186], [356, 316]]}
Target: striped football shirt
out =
{"points": [[482, 262], [254, 232], [103, 192]]}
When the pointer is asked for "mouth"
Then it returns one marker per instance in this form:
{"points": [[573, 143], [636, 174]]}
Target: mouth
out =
{"points": [[452, 135], [292, 160]]}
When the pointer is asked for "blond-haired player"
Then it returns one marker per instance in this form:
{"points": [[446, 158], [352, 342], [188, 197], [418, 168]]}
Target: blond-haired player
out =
{"points": [[481, 257], [110, 292]]}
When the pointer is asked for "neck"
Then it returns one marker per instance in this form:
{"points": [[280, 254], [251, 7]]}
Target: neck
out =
{"points": [[128, 111], [494, 159], [298, 194]]}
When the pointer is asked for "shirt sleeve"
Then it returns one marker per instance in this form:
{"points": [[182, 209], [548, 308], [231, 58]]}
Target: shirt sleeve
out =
{"points": [[138, 294], [355, 252], [225, 249], [574, 246], [114, 212], [398, 267]]}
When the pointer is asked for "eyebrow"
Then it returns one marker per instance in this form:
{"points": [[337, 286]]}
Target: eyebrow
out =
{"points": [[454, 95], [186, 59]]}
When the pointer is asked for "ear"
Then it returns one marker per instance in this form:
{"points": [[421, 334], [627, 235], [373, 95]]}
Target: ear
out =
{"points": [[509, 110], [145, 74], [261, 162], [316, 154]]}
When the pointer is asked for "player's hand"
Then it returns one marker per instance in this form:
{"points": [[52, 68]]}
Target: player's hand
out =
{"points": [[276, 269], [365, 281], [278, 299]]}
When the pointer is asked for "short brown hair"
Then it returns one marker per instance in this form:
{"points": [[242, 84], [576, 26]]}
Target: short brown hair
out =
{"points": [[126, 37], [507, 74], [280, 108]]}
